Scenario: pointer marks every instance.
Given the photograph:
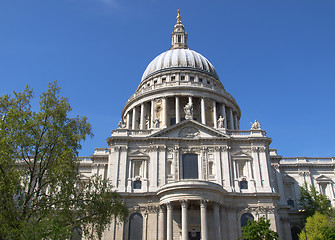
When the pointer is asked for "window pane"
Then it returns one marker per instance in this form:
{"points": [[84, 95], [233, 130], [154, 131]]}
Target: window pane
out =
{"points": [[135, 226], [245, 218], [190, 166]]}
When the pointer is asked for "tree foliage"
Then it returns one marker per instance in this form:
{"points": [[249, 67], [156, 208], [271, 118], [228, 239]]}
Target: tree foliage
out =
{"points": [[311, 201], [41, 193], [318, 227], [259, 230]]}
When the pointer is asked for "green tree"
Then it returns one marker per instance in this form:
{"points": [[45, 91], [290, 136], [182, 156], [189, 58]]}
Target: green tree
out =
{"points": [[317, 228], [41, 193], [311, 201], [259, 230]]}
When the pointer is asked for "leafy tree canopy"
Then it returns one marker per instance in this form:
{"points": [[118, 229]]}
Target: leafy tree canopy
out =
{"points": [[259, 230], [311, 201], [318, 227], [42, 195]]}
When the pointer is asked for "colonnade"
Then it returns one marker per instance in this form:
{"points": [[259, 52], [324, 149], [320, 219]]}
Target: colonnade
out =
{"points": [[184, 204], [143, 116]]}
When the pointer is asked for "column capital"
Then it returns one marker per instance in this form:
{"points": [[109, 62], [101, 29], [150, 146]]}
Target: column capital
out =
{"points": [[161, 208], [184, 203], [203, 203], [169, 205]]}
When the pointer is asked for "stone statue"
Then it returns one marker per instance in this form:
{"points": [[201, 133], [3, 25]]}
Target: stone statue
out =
{"points": [[188, 109], [122, 124], [221, 122], [147, 122], [255, 125], [156, 123]]}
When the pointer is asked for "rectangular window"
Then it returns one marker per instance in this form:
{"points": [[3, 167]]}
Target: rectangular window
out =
{"points": [[190, 166], [137, 184]]}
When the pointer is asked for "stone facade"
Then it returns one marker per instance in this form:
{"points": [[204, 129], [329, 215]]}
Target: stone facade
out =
{"points": [[185, 168]]}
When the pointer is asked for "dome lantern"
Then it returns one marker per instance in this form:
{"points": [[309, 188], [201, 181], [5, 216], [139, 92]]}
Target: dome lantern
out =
{"points": [[179, 37]]}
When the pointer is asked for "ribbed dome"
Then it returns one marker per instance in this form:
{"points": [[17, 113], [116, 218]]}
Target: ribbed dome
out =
{"points": [[179, 59]]}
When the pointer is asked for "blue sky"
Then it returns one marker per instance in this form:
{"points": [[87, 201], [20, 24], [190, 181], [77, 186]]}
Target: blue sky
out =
{"points": [[276, 57]]}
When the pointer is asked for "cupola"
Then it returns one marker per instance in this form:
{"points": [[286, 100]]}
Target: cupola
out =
{"points": [[179, 37]]}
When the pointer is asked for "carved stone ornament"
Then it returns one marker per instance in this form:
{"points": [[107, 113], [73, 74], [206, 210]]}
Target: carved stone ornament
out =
{"points": [[255, 125], [188, 109], [121, 124], [221, 122], [156, 123], [189, 132], [152, 209]]}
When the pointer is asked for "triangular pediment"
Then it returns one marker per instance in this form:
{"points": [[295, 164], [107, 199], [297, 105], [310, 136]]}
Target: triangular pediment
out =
{"points": [[288, 179], [323, 178], [137, 153], [189, 129], [241, 154]]}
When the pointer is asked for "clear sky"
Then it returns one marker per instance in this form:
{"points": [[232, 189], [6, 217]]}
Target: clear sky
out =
{"points": [[276, 58]]}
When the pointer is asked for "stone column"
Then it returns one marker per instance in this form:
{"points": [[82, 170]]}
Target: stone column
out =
{"points": [[190, 99], [134, 119], [184, 225], [224, 115], [161, 223], [217, 224], [128, 120], [164, 112], [231, 125], [169, 222], [142, 122], [215, 117], [152, 116], [236, 121], [177, 110], [203, 213], [203, 112]]}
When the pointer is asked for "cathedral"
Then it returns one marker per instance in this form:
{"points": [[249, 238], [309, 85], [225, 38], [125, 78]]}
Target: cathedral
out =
{"points": [[185, 168]]}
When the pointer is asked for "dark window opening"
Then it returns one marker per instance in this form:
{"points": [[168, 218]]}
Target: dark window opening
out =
{"points": [[173, 78], [190, 166], [182, 78], [245, 218], [135, 226], [290, 202], [243, 184], [192, 79], [179, 38], [137, 184]]}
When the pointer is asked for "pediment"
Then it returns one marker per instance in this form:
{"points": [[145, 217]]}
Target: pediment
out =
{"points": [[189, 129], [288, 179], [323, 178], [137, 153], [241, 154]]}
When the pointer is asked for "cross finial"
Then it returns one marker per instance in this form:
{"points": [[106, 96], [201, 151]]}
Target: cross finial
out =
{"points": [[178, 17]]}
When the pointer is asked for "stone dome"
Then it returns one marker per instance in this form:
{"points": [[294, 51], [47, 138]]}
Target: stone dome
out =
{"points": [[179, 59]]}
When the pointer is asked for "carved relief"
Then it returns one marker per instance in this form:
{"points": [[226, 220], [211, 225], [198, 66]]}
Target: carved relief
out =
{"points": [[189, 132]]}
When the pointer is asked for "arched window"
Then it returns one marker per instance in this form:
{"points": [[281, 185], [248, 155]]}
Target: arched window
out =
{"points": [[190, 166], [210, 168], [290, 202], [135, 226], [245, 218], [244, 184], [169, 168]]}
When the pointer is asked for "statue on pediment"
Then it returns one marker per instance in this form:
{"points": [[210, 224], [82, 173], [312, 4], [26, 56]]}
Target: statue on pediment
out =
{"points": [[156, 123], [255, 125], [121, 124], [188, 109], [221, 122]]}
